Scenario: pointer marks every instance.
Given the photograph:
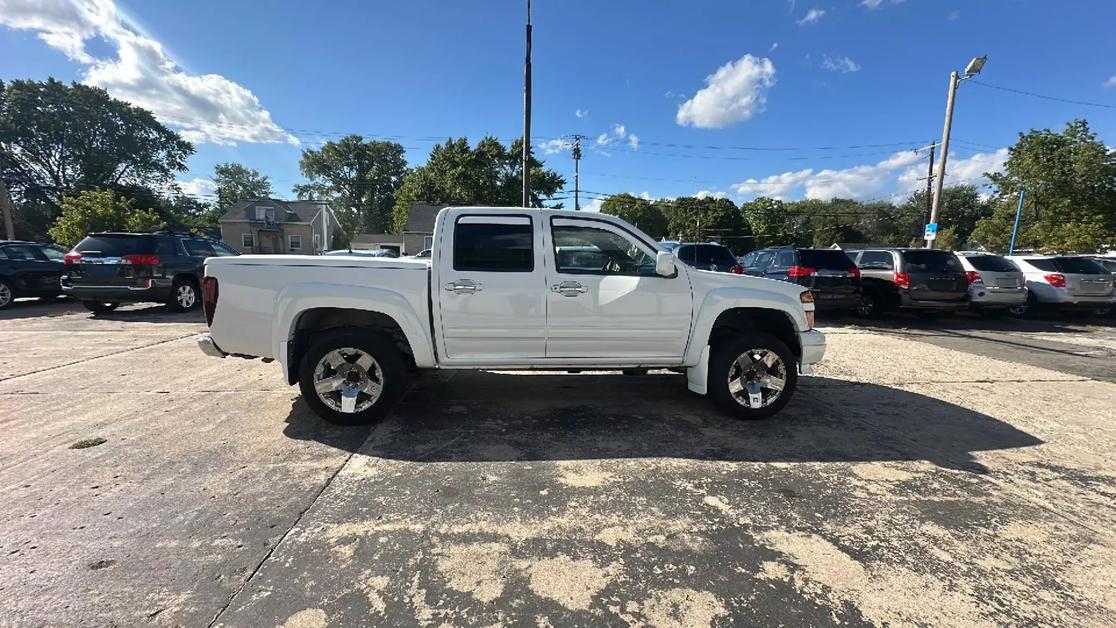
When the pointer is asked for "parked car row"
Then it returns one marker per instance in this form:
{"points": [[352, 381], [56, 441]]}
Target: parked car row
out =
{"points": [[927, 282]]}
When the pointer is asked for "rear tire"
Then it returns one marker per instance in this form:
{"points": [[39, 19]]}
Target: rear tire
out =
{"points": [[742, 367], [184, 296], [7, 293], [100, 307], [869, 306], [360, 373]]}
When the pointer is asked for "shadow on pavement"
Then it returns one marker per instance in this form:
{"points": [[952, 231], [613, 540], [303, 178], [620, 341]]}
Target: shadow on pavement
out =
{"points": [[502, 417], [38, 308], [1051, 323], [149, 313]]}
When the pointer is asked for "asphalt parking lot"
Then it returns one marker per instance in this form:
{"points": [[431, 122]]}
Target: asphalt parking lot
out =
{"points": [[959, 472]]}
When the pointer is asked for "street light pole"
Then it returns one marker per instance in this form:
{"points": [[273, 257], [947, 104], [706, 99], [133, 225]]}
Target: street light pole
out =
{"points": [[971, 70], [527, 115]]}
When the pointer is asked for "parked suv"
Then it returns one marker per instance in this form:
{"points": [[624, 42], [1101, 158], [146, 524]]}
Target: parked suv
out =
{"points": [[996, 285], [925, 281], [28, 269], [1067, 282], [830, 274], [107, 269], [710, 256]]}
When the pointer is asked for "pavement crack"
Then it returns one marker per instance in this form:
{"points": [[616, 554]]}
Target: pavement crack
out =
{"points": [[97, 357]]}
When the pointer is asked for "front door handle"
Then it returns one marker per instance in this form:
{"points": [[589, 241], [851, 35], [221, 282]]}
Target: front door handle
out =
{"points": [[463, 286], [569, 288]]}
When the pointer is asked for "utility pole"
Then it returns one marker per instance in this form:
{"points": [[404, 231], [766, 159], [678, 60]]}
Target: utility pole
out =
{"points": [[527, 115], [971, 70], [577, 170], [1015, 229], [7, 209], [930, 184]]}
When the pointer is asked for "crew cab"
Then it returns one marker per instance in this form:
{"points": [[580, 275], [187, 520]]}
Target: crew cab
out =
{"points": [[510, 289]]}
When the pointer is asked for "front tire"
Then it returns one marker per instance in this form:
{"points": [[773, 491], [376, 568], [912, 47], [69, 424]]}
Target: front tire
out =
{"points": [[7, 293], [753, 375], [352, 377]]}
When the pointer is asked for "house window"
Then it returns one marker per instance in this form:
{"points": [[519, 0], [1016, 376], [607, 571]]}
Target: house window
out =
{"points": [[246, 241], [265, 212], [318, 242], [428, 242], [294, 242]]}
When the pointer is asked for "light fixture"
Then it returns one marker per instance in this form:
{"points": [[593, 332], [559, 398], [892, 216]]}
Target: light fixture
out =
{"points": [[975, 66]]}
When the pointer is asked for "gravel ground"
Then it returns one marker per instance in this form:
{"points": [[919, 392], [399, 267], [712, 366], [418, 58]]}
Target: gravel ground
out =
{"points": [[952, 473]]}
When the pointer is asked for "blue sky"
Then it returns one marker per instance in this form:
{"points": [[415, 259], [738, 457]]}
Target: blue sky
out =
{"points": [[674, 96]]}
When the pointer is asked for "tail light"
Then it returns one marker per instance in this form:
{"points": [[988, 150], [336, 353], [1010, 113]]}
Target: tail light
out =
{"points": [[855, 272], [801, 271], [142, 260], [209, 298], [973, 277], [903, 280], [72, 257], [1058, 280], [737, 270]]}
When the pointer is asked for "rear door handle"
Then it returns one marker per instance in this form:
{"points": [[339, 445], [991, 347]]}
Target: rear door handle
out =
{"points": [[463, 286]]}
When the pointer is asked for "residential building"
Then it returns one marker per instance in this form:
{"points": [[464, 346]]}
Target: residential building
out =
{"points": [[419, 232], [268, 225], [373, 241]]}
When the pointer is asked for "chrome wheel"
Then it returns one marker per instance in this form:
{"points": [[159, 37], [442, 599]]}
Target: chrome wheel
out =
{"points": [[348, 380], [5, 295], [186, 296], [757, 378]]}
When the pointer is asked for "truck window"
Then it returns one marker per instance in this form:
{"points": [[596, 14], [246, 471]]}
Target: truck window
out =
{"points": [[598, 251], [506, 246]]}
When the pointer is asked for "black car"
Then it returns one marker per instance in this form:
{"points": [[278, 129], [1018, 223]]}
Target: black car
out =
{"points": [[710, 256], [107, 269], [925, 281], [830, 274], [28, 269]]}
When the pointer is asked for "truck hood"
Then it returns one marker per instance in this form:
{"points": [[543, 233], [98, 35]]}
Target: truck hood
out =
{"points": [[328, 261], [707, 280]]}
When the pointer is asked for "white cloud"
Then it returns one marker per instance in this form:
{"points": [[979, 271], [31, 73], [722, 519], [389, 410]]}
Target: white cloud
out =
{"points": [[953, 15], [1111, 82], [198, 187], [844, 65], [875, 4], [619, 133], [812, 16], [633, 141], [903, 172], [710, 194], [732, 94], [603, 139], [205, 108], [593, 205], [774, 45], [556, 145], [581, 113]]}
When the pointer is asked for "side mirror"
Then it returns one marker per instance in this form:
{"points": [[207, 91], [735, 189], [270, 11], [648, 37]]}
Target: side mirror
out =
{"points": [[664, 264]]}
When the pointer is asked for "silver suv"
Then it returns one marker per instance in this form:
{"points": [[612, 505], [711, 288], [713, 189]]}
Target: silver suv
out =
{"points": [[1067, 283], [996, 284]]}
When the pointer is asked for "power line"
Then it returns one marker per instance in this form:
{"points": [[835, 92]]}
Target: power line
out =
{"points": [[1044, 96]]}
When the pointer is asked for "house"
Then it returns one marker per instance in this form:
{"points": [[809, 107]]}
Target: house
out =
{"points": [[268, 225], [419, 232], [373, 241]]}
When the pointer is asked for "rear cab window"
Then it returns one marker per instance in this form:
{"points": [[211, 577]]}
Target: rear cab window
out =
{"points": [[932, 262], [992, 263], [497, 244], [116, 245], [826, 259]]}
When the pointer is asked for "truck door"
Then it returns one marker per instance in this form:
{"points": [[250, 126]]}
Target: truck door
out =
{"points": [[604, 299], [491, 293]]}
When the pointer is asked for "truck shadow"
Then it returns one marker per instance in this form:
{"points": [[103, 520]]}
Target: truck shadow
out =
{"points": [[501, 417]]}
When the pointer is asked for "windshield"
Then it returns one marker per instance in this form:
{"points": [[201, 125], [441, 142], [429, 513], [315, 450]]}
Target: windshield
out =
{"points": [[932, 262], [706, 254], [992, 263]]}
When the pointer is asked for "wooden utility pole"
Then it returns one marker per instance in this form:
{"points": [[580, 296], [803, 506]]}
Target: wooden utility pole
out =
{"points": [[7, 209], [577, 170], [930, 184]]}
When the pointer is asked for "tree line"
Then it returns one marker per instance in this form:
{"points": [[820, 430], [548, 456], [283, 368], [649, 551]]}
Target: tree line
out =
{"points": [[73, 159]]}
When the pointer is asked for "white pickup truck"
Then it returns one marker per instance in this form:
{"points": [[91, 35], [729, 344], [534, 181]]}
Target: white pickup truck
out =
{"points": [[510, 289]]}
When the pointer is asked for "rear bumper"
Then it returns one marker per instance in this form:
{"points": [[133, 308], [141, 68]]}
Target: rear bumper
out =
{"points": [[842, 302], [152, 292], [813, 349], [208, 347], [983, 297], [907, 303]]}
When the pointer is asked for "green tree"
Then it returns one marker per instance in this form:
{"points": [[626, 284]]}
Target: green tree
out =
{"points": [[640, 212], [961, 209], [710, 219], [1069, 180], [360, 178], [57, 140], [489, 174], [769, 222], [100, 210], [235, 181]]}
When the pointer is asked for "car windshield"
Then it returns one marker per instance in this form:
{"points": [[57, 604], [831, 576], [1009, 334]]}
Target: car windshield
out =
{"points": [[828, 259], [116, 245], [932, 262], [992, 263], [706, 254]]}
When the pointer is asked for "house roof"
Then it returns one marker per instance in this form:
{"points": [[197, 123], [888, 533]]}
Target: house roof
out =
{"points": [[421, 217], [285, 211]]}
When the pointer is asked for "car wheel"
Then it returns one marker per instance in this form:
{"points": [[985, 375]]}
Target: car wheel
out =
{"points": [[351, 377], [100, 307], [184, 296], [1102, 311], [869, 306], [752, 376], [7, 295]]}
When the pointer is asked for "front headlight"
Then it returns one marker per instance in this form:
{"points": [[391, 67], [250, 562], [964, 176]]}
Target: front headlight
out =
{"points": [[807, 298]]}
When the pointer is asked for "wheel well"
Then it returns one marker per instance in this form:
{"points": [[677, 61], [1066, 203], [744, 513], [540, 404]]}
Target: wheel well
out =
{"points": [[313, 322], [188, 277], [741, 320]]}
